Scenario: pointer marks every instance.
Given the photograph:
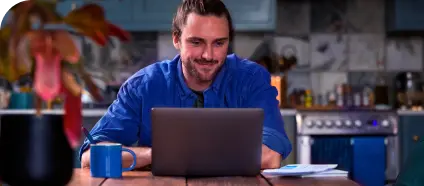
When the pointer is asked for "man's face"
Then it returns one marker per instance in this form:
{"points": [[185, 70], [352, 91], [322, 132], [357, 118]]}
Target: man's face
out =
{"points": [[203, 46]]}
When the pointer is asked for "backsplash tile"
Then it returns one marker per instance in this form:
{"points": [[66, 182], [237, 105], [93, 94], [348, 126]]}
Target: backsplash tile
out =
{"points": [[328, 52], [404, 54], [335, 41], [366, 52], [365, 16], [297, 46], [143, 49], [245, 44], [371, 79], [299, 81], [166, 49], [293, 17], [327, 16], [324, 82], [117, 61], [363, 78]]}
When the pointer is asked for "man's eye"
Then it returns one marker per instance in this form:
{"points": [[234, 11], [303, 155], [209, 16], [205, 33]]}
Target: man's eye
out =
{"points": [[219, 43], [195, 42]]}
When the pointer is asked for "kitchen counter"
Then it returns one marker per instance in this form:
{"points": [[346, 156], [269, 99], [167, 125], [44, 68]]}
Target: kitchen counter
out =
{"points": [[85, 112], [100, 112], [410, 113]]}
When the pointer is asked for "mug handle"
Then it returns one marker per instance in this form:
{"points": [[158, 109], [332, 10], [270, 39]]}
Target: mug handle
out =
{"points": [[134, 160]]}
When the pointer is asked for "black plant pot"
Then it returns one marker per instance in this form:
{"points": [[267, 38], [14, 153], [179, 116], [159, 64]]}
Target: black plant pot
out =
{"points": [[34, 150]]}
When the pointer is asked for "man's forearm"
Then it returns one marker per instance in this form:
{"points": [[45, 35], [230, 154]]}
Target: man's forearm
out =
{"points": [[143, 155], [270, 158]]}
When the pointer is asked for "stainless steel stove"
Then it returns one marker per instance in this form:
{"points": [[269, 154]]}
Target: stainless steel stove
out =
{"points": [[347, 123], [359, 141]]}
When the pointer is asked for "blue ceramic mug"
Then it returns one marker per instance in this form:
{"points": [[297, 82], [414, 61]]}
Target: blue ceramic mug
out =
{"points": [[21, 100], [106, 160]]}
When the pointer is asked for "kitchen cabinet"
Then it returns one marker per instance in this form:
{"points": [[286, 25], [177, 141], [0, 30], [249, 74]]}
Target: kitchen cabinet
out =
{"points": [[411, 131], [404, 16], [157, 15], [154, 15], [253, 15]]}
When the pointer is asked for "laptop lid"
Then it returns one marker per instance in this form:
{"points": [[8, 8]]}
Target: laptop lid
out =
{"points": [[206, 141]]}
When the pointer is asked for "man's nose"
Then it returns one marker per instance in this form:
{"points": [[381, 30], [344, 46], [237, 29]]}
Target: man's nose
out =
{"points": [[207, 53]]}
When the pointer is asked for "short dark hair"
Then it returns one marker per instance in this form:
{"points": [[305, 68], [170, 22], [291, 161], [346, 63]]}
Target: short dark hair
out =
{"points": [[200, 7]]}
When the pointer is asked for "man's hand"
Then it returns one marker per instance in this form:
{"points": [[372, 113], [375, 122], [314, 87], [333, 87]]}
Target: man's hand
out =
{"points": [[85, 159], [144, 157], [270, 158]]}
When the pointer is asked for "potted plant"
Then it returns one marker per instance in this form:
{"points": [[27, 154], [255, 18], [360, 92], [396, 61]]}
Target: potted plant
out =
{"points": [[37, 147]]}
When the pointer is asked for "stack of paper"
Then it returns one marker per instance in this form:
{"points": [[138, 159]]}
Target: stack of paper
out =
{"points": [[328, 173], [307, 170]]}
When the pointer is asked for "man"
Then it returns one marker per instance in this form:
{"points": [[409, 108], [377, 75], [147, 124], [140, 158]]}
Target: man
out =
{"points": [[202, 75]]}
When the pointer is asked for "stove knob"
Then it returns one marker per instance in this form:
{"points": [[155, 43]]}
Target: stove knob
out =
{"points": [[338, 123], [385, 123], [328, 123], [309, 124], [319, 124], [358, 123], [348, 123]]}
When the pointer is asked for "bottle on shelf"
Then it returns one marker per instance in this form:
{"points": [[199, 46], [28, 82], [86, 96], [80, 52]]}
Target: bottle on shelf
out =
{"points": [[308, 99]]}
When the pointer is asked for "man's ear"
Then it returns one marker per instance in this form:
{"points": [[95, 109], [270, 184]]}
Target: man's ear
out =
{"points": [[176, 41]]}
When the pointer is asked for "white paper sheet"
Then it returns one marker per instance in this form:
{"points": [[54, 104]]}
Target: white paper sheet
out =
{"points": [[328, 173], [299, 169]]}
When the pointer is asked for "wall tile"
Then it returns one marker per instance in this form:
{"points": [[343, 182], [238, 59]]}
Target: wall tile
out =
{"points": [[287, 46], [245, 43], [327, 15], [365, 16], [166, 49], [117, 61], [370, 79], [366, 52], [143, 50], [298, 80], [90, 52], [363, 78], [404, 54], [92, 62], [324, 82], [328, 52], [293, 17]]}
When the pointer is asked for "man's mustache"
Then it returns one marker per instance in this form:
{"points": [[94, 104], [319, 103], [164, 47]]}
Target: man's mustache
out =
{"points": [[205, 61]]}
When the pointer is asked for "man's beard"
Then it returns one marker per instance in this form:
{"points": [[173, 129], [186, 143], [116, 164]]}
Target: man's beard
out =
{"points": [[191, 69]]}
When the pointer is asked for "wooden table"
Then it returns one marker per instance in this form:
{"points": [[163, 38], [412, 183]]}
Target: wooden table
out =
{"points": [[83, 178]]}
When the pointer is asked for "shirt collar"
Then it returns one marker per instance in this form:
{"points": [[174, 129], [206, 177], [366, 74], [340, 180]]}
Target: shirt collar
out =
{"points": [[216, 85]]}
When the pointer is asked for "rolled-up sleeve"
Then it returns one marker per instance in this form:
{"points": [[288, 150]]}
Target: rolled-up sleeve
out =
{"points": [[120, 123], [263, 95]]}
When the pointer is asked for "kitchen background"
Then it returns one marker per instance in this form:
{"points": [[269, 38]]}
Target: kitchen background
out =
{"points": [[334, 42], [341, 50]]}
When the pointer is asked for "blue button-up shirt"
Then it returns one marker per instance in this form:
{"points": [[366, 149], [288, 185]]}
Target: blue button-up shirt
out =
{"points": [[239, 84]]}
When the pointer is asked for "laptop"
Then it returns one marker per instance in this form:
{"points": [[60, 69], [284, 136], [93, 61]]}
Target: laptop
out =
{"points": [[212, 142]]}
